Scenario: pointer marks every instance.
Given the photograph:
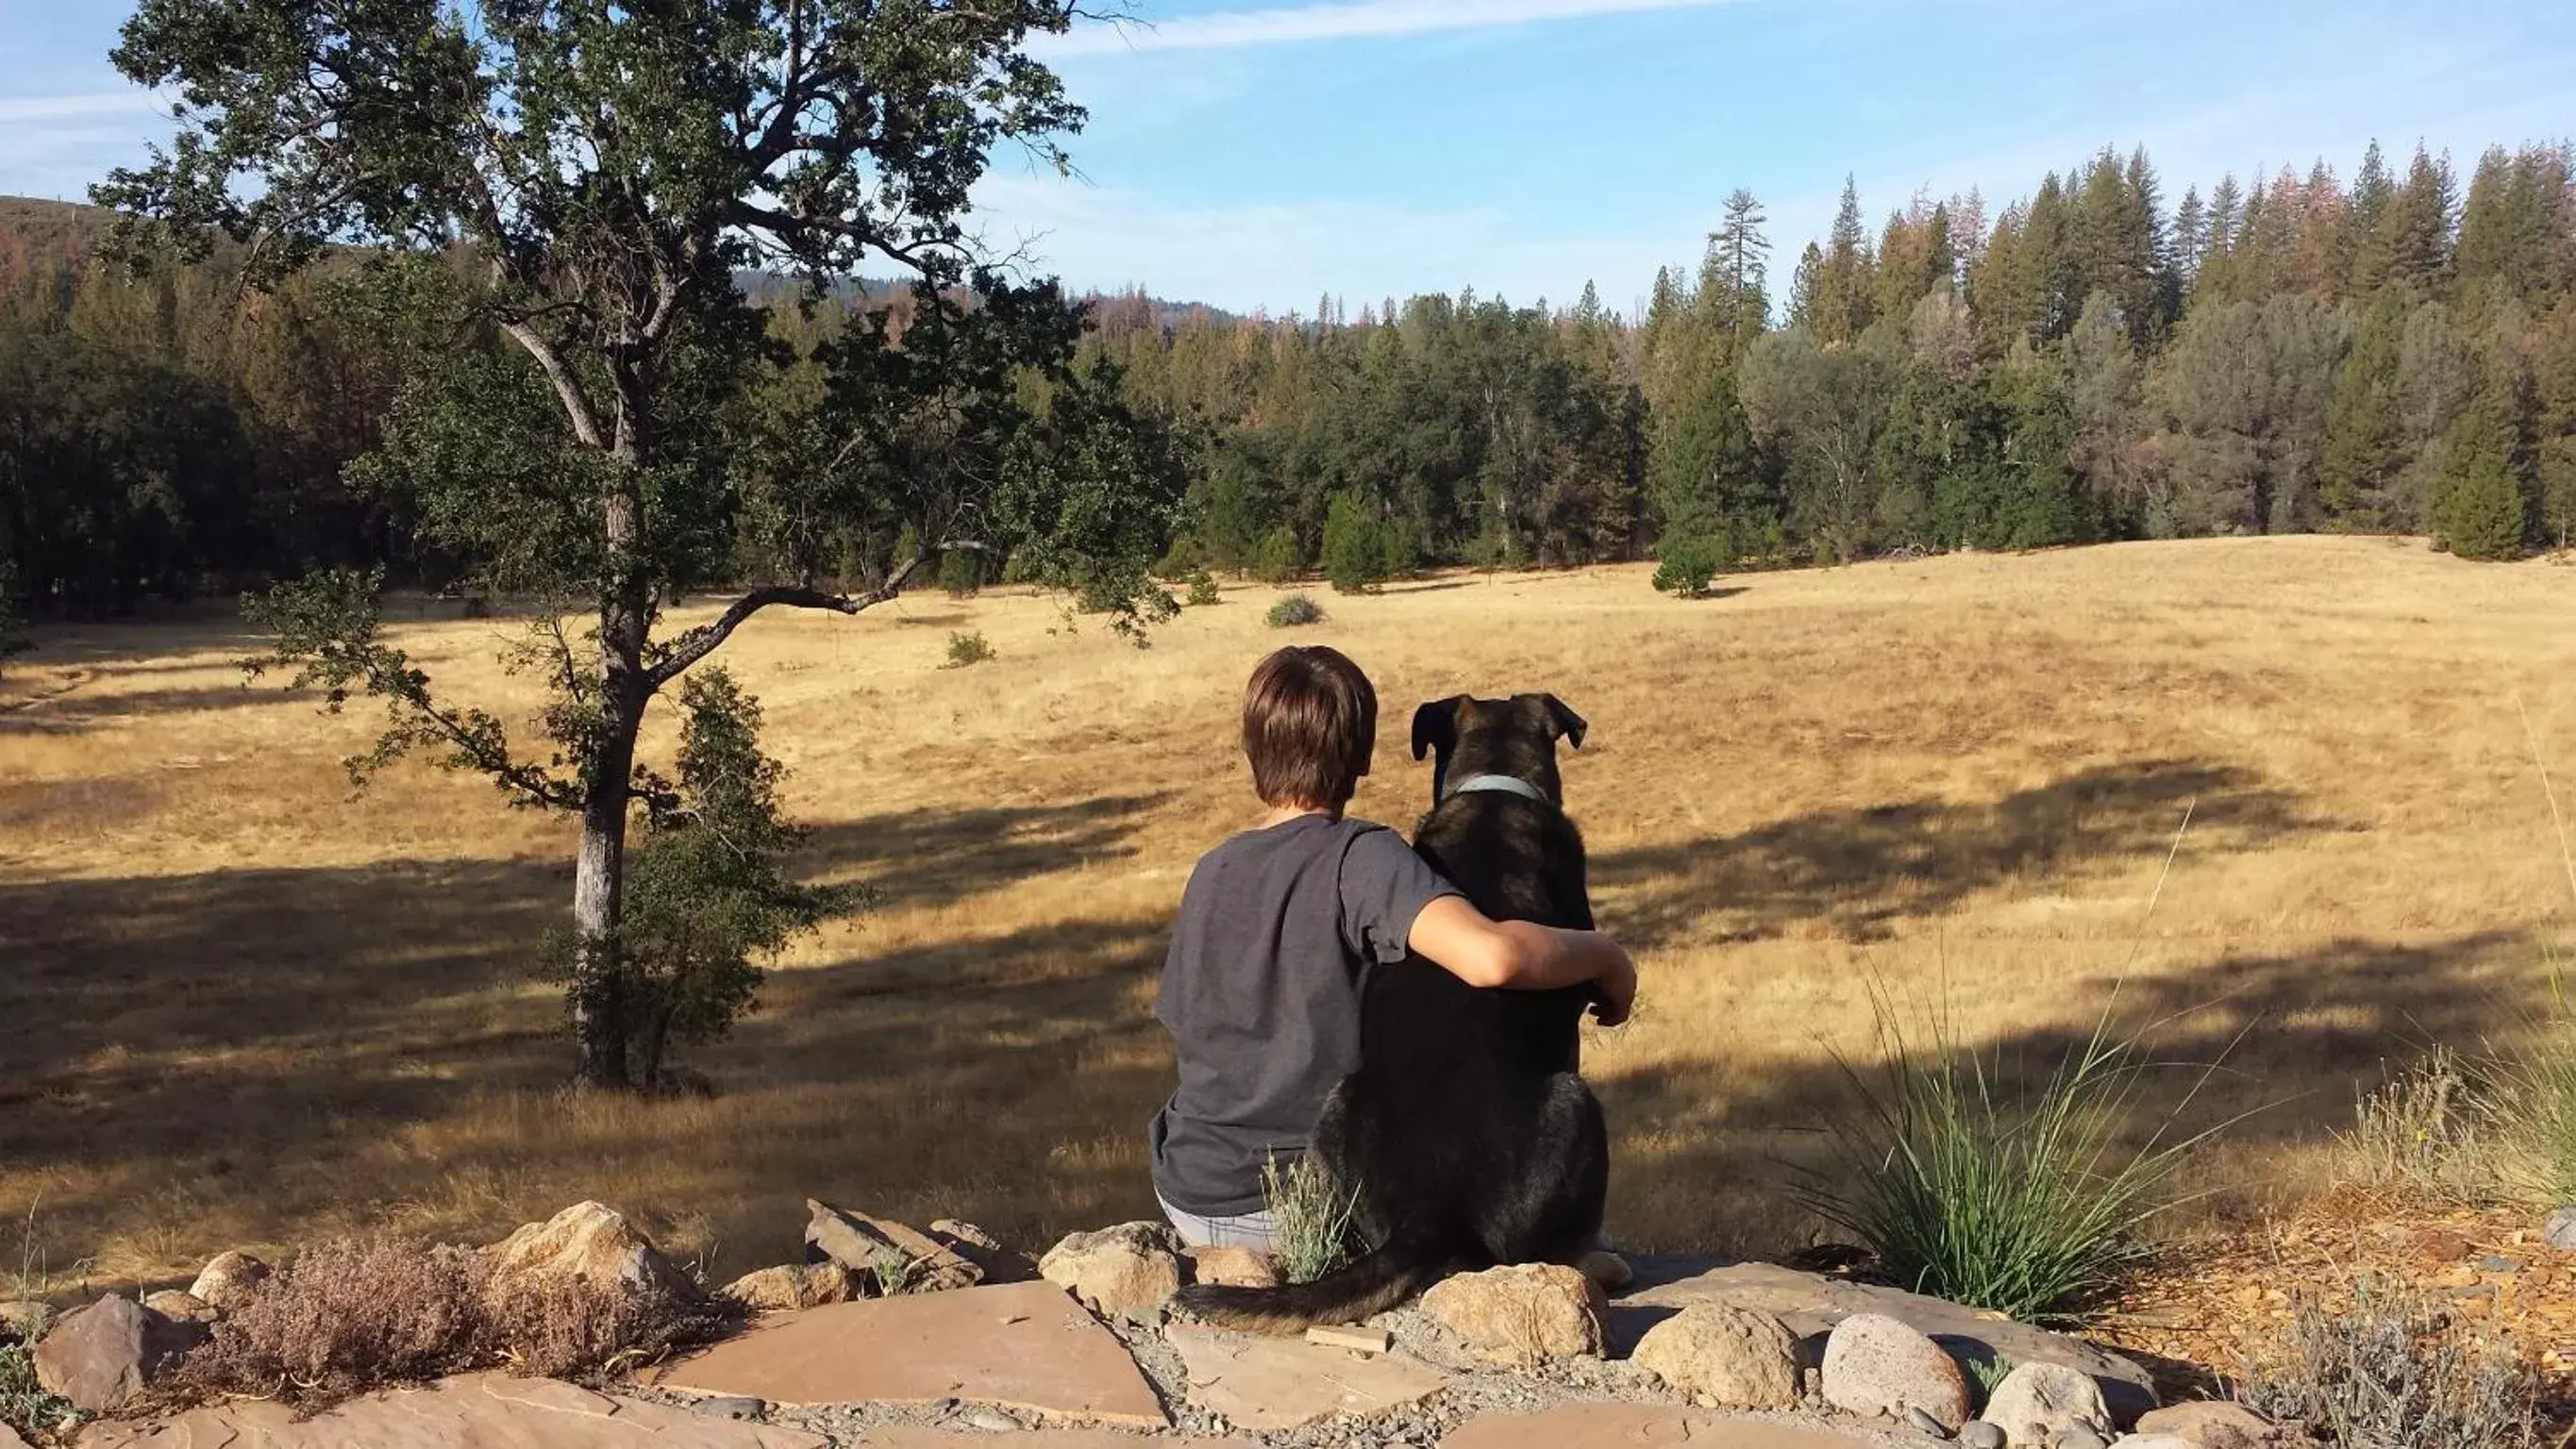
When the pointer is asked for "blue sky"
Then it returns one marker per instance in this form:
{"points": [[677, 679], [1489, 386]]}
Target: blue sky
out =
{"points": [[1253, 155]]}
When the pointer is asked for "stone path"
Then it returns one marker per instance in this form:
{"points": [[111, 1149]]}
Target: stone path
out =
{"points": [[478, 1411], [1272, 1383], [1620, 1426], [1021, 1346]]}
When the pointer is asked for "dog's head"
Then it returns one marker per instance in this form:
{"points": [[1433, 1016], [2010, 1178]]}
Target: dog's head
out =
{"points": [[1515, 737]]}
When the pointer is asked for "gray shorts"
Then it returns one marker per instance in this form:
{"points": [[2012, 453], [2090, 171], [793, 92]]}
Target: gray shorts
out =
{"points": [[1257, 1231]]}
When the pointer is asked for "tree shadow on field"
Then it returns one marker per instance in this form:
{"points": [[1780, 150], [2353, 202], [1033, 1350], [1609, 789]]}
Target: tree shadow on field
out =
{"points": [[2266, 1050], [1857, 870], [192, 1025]]}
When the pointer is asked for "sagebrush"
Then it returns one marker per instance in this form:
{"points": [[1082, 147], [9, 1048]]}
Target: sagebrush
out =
{"points": [[351, 1315], [1293, 612], [1311, 1216], [2388, 1368]]}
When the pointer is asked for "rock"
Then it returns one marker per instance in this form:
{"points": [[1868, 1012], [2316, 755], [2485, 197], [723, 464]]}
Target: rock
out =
{"points": [[24, 1319], [104, 1356], [229, 1279], [477, 1409], [1278, 1384], [2080, 1439], [1812, 1303], [1232, 1267], [2217, 1424], [171, 1303], [591, 1242], [1923, 1423], [2560, 1230], [1734, 1356], [734, 1407], [1876, 1365], [794, 1285], [2152, 1441], [1000, 1264], [1630, 1426], [895, 1258], [989, 1421], [1129, 1271], [1978, 1434], [2045, 1403], [9, 1438], [1525, 1314]]}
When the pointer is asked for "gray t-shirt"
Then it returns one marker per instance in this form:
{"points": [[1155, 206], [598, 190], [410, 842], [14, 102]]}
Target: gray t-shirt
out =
{"points": [[1261, 993]]}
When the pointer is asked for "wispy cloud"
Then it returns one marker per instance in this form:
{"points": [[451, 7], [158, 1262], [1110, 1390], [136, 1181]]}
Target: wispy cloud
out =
{"points": [[96, 103], [1350, 19]]}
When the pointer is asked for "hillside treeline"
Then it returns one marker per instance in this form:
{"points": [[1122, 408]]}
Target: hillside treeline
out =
{"points": [[2392, 353]]}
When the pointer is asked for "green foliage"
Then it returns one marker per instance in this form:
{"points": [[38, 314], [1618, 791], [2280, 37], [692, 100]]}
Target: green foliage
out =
{"points": [[1686, 568], [13, 630], [1203, 590], [1355, 545], [1311, 1217], [25, 1406], [1280, 562], [2386, 1368], [968, 649], [2024, 1201], [1294, 611], [2480, 511], [961, 572]]}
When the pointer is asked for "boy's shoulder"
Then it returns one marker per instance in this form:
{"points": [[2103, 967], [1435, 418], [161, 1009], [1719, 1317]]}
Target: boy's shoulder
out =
{"points": [[1303, 838]]}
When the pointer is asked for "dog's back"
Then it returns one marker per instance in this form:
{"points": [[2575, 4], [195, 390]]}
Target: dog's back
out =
{"points": [[1466, 1132]]}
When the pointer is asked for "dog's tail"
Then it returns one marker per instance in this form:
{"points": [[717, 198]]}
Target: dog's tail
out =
{"points": [[1371, 1283]]}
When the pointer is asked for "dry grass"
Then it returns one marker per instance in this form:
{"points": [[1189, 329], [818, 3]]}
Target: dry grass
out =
{"points": [[238, 1007]]}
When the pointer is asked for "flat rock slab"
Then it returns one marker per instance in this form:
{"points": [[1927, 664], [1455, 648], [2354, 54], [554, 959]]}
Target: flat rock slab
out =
{"points": [[922, 1436], [1285, 1383], [476, 1411], [1811, 1304], [1019, 1346], [1625, 1426]]}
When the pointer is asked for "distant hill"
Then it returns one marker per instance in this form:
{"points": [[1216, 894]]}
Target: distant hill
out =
{"points": [[32, 227]]}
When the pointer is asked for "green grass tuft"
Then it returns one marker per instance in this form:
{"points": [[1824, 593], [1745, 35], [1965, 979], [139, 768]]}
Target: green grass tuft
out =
{"points": [[1312, 1218], [24, 1406]]}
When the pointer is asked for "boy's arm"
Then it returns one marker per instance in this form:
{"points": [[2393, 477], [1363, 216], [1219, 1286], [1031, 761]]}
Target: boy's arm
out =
{"points": [[1524, 956]]}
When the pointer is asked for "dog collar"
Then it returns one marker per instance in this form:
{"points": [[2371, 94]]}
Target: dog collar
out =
{"points": [[1501, 785]]}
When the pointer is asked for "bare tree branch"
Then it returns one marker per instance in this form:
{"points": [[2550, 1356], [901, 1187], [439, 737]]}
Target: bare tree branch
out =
{"points": [[704, 640]]}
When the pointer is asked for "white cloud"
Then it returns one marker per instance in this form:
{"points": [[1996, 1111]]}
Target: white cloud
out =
{"points": [[1349, 19], [97, 103]]}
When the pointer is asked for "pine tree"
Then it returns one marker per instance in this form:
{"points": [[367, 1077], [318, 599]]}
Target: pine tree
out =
{"points": [[2480, 511], [2374, 191], [1743, 253], [2366, 441], [2417, 227], [2190, 236]]}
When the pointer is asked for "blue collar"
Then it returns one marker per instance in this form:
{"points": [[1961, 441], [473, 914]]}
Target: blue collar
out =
{"points": [[1501, 785]]}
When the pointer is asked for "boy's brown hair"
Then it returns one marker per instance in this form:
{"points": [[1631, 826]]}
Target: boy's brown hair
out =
{"points": [[1309, 727]]}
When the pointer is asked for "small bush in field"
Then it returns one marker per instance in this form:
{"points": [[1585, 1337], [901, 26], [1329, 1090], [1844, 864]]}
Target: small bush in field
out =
{"points": [[1203, 590], [966, 649], [350, 1316], [2431, 1126], [961, 572], [1687, 567], [2390, 1369], [1293, 611], [1312, 1217], [1280, 560]]}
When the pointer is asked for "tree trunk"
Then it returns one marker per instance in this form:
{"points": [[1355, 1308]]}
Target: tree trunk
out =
{"points": [[599, 1005]]}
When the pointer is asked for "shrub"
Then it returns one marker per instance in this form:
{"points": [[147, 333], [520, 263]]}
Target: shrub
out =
{"points": [[1686, 568], [961, 572], [1280, 561], [1355, 545], [24, 1405], [1292, 611], [349, 1316], [967, 649], [2390, 1370], [1203, 590], [1185, 559], [2433, 1127], [2021, 1202], [1311, 1217]]}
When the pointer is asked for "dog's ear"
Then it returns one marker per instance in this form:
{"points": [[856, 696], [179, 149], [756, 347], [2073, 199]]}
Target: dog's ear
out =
{"points": [[1562, 723], [1436, 724]]}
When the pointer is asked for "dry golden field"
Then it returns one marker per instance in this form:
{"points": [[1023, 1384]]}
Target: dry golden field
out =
{"points": [[240, 1006]]}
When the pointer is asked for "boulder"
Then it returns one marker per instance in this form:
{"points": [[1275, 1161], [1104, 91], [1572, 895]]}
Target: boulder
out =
{"points": [[104, 1356], [9, 1438], [893, 1257], [1000, 1264], [1734, 1357], [171, 1303], [1875, 1365], [1232, 1267], [1978, 1434], [1525, 1314], [2560, 1230], [1129, 1271], [24, 1319], [793, 1286], [2047, 1403], [2218, 1424], [229, 1279], [591, 1242]]}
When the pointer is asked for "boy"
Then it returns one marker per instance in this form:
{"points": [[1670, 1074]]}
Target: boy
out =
{"points": [[1277, 931]]}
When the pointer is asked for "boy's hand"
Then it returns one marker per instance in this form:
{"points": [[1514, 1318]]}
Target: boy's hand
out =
{"points": [[1614, 992]]}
